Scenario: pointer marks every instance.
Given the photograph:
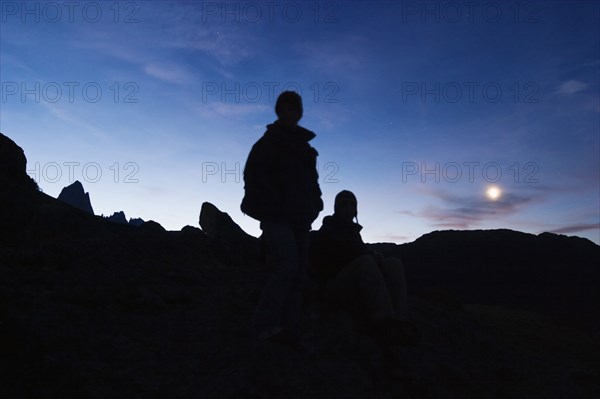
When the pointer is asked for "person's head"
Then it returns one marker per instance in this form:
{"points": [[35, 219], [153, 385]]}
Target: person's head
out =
{"points": [[289, 108], [346, 205]]}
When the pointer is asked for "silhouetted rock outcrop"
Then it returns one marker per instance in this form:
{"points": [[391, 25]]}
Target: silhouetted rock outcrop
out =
{"points": [[13, 165], [136, 222], [191, 230], [75, 195], [120, 218], [152, 226], [117, 217], [219, 224], [226, 234], [26, 214]]}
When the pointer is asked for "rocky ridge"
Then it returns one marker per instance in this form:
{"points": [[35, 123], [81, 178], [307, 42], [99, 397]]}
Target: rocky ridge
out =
{"points": [[94, 309]]}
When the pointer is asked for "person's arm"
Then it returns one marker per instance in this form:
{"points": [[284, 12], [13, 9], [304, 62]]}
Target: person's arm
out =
{"points": [[366, 251], [261, 184], [379, 258]]}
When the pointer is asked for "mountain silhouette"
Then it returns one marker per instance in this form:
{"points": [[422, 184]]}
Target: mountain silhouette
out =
{"points": [[551, 274], [13, 165], [90, 308], [136, 221], [117, 217], [120, 218], [75, 195]]}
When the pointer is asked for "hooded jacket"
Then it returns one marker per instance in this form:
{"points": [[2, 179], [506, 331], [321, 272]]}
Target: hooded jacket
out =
{"points": [[337, 243], [281, 180]]}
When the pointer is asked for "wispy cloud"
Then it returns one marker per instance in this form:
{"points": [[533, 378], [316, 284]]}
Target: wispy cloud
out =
{"points": [[571, 87], [73, 119], [394, 237], [107, 42], [593, 63], [186, 28], [65, 115], [10, 61], [230, 109], [463, 212], [171, 73], [407, 213], [343, 54], [227, 47], [167, 30], [575, 228], [330, 116], [154, 190], [592, 103]]}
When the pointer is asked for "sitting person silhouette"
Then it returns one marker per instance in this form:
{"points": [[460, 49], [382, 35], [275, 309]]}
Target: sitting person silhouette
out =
{"points": [[350, 276]]}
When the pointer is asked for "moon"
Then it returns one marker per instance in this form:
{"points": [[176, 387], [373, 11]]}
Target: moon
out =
{"points": [[493, 192]]}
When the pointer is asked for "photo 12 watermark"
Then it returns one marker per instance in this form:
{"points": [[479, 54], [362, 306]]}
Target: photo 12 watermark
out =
{"points": [[470, 171], [272, 12], [90, 172], [469, 92], [231, 172], [471, 12], [254, 92], [70, 92], [52, 12]]}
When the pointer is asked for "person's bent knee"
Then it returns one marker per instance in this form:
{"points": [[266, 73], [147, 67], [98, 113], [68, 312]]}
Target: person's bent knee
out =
{"points": [[365, 263], [393, 262], [365, 268]]}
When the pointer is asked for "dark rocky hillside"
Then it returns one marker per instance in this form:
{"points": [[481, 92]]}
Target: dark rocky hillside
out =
{"points": [[554, 275], [94, 309]]}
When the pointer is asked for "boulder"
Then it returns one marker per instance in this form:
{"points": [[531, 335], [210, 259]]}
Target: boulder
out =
{"points": [[226, 234], [220, 225], [191, 230]]}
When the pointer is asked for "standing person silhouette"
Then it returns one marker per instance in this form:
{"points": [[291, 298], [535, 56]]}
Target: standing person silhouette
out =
{"points": [[282, 192]]}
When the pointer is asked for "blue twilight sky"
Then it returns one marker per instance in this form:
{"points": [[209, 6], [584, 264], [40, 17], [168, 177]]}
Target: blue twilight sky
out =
{"points": [[418, 107]]}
